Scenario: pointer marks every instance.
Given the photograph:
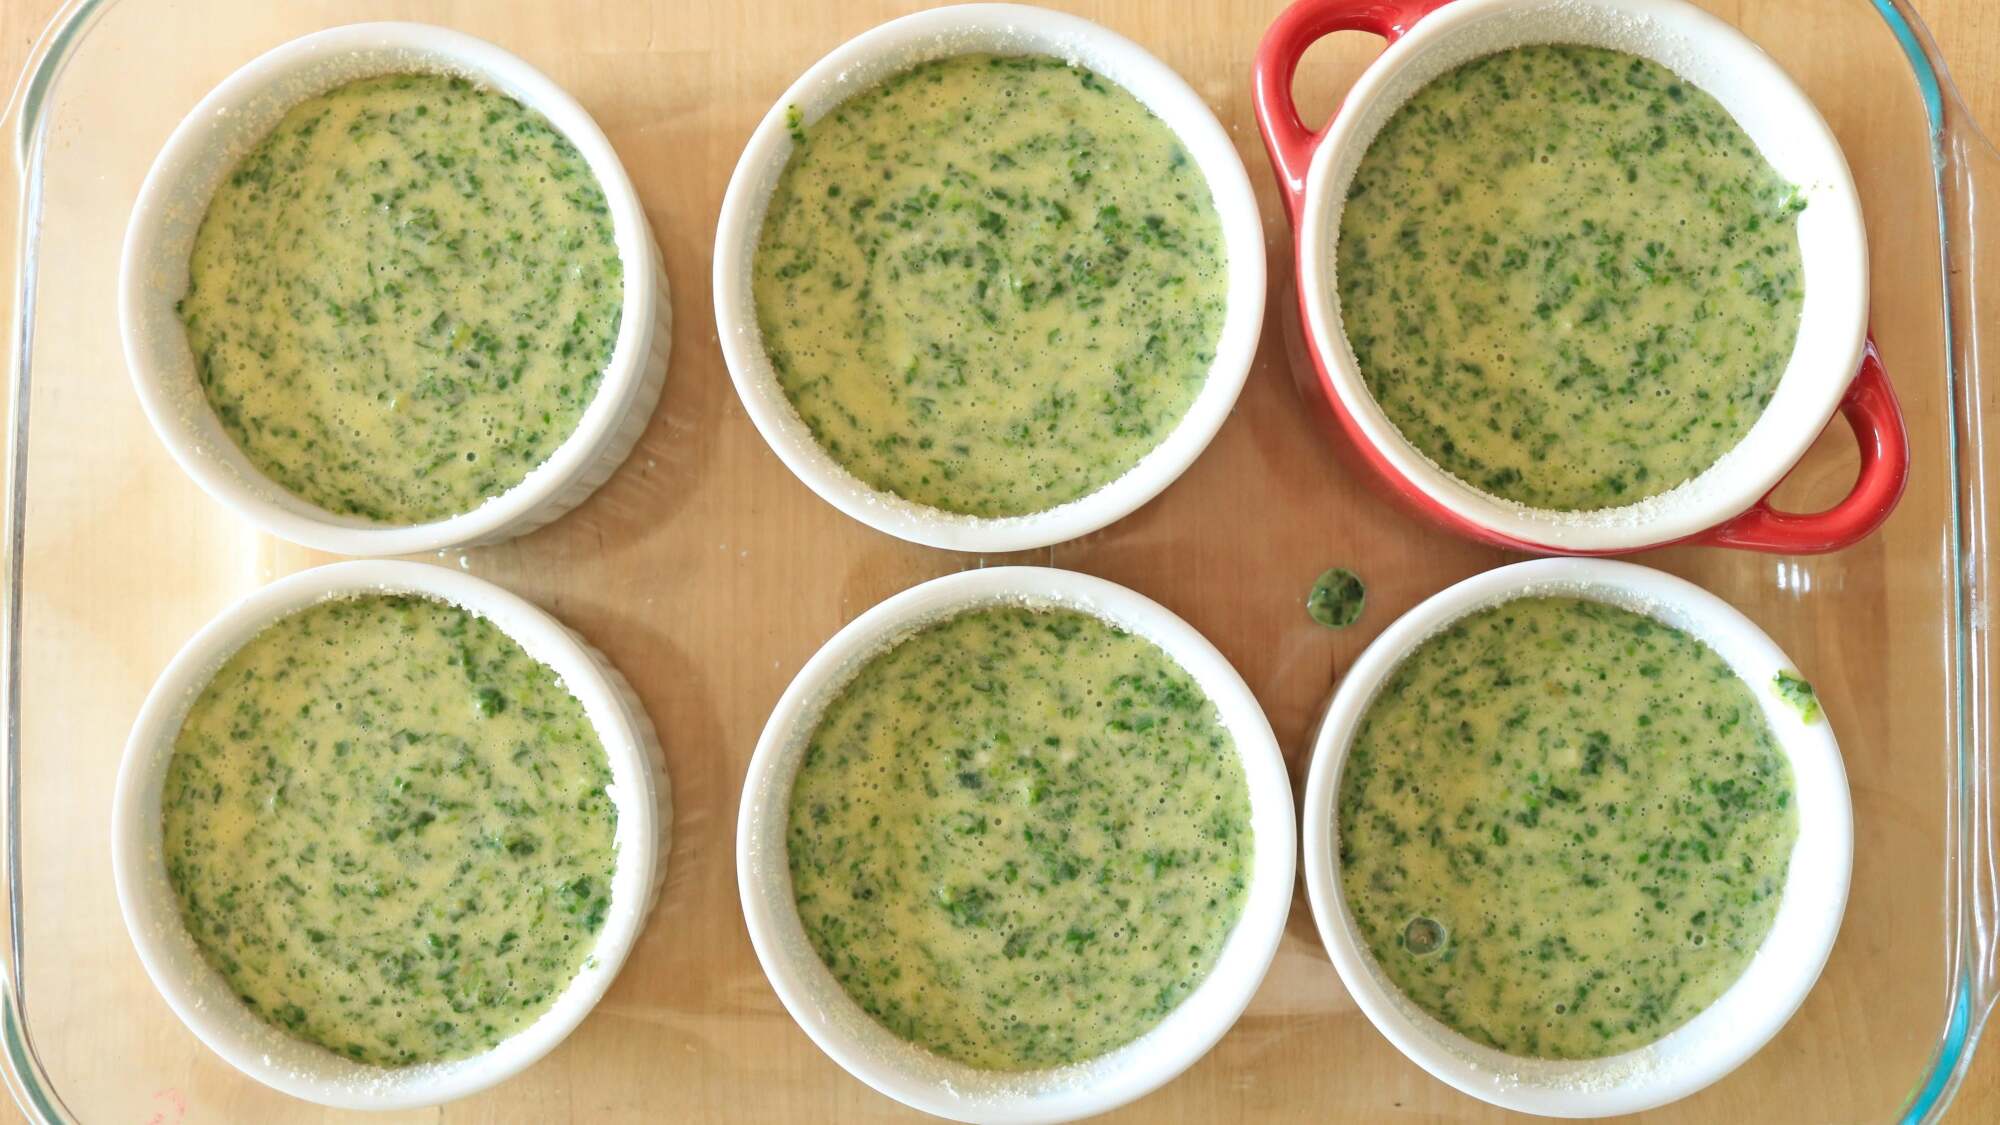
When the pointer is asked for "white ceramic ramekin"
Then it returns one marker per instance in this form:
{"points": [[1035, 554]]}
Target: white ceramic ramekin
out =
{"points": [[1725, 504], [1770, 989], [904, 1071], [895, 46], [153, 275], [199, 995]]}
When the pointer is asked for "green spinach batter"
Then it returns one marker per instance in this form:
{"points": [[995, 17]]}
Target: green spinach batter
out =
{"points": [[1564, 827], [403, 298], [388, 829], [989, 284], [1568, 276], [1020, 838]]}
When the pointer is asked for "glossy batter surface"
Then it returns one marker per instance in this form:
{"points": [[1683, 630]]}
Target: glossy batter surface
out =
{"points": [[1568, 276], [1564, 827], [404, 297], [1020, 838], [388, 829], [990, 284]]}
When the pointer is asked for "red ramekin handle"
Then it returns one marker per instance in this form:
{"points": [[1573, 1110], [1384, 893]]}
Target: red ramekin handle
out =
{"points": [[1306, 22], [1871, 412]]}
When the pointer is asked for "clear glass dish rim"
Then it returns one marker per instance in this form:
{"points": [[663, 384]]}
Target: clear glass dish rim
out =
{"points": [[1972, 900]]}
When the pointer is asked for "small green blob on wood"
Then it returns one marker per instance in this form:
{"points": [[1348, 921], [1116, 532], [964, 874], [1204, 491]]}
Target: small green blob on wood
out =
{"points": [[1798, 693], [1337, 598]]}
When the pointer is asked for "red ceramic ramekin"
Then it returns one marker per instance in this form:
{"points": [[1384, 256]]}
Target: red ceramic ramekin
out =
{"points": [[1833, 366]]}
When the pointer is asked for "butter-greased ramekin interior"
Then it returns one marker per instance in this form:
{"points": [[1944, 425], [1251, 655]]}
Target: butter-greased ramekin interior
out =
{"points": [[1778, 978], [1778, 118], [153, 276], [904, 1071], [1005, 29], [200, 996]]}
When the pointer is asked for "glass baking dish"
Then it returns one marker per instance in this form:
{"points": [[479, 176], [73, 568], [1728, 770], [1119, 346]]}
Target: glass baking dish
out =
{"points": [[709, 574]]}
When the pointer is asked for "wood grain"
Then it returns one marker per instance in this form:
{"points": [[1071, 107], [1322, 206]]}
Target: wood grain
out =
{"points": [[709, 575]]}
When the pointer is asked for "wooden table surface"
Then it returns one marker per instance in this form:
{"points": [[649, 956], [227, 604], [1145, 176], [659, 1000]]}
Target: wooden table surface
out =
{"points": [[1968, 29]]}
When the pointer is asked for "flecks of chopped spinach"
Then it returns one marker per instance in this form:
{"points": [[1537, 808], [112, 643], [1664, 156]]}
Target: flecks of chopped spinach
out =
{"points": [[1552, 850], [404, 297], [1011, 809], [1028, 255], [400, 784], [1798, 693], [1568, 277]]}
